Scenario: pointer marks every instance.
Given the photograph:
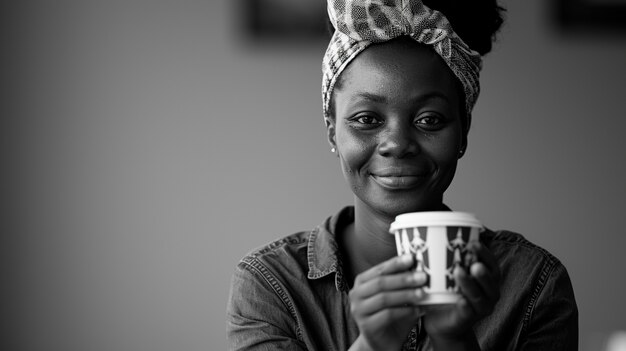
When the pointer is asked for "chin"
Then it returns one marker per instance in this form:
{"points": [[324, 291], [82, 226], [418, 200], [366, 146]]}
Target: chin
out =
{"points": [[393, 203], [394, 208]]}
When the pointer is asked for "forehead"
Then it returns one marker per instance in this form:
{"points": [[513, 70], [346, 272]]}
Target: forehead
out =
{"points": [[397, 68]]}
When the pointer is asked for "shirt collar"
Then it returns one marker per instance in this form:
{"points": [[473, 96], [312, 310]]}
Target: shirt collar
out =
{"points": [[323, 253], [324, 257]]}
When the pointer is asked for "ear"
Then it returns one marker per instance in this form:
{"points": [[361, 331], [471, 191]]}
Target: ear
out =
{"points": [[463, 149], [330, 132]]}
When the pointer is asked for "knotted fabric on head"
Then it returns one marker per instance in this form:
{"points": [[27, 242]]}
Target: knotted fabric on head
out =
{"points": [[360, 23]]}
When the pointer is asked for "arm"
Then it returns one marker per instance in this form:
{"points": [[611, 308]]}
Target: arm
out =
{"points": [[553, 320], [257, 318]]}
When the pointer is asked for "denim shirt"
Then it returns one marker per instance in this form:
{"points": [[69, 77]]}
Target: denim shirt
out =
{"points": [[292, 295]]}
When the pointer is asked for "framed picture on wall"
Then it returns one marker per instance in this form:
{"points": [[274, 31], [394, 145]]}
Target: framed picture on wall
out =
{"points": [[592, 14], [285, 19]]}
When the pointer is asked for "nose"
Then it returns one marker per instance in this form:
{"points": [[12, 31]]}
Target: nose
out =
{"points": [[398, 140]]}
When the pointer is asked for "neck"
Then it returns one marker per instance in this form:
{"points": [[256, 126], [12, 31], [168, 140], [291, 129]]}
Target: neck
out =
{"points": [[368, 241], [371, 231]]}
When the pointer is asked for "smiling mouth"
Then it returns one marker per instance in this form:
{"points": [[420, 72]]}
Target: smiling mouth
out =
{"points": [[398, 182]]}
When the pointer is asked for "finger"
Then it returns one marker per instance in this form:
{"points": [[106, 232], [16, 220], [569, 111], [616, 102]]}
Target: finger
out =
{"points": [[486, 257], [484, 278], [391, 282], [465, 309], [392, 265], [487, 273], [389, 316], [473, 292], [407, 298]]}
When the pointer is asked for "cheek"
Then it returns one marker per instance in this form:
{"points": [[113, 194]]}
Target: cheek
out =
{"points": [[354, 152], [446, 158], [447, 155], [446, 148]]}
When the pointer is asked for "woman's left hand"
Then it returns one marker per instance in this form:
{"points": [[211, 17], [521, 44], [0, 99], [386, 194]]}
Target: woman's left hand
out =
{"points": [[480, 290]]}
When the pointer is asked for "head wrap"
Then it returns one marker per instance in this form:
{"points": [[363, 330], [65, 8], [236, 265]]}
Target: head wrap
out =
{"points": [[360, 23]]}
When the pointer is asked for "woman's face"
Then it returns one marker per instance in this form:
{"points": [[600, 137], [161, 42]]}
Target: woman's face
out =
{"points": [[397, 127]]}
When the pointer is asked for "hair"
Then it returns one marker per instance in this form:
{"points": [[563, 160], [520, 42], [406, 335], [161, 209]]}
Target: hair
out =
{"points": [[476, 22]]}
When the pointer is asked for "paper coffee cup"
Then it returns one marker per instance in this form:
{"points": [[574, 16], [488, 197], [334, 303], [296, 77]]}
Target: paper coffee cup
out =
{"points": [[438, 241]]}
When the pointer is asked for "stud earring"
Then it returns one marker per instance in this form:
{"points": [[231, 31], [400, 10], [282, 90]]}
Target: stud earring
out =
{"points": [[333, 150]]}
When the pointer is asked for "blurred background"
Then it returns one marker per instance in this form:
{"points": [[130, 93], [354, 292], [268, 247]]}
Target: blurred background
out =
{"points": [[146, 146]]}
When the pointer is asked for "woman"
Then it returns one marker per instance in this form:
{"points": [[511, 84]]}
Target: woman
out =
{"points": [[399, 85]]}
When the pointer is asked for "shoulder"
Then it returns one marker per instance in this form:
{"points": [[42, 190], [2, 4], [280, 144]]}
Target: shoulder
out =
{"points": [[288, 252], [308, 254], [537, 306], [530, 273], [514, 249], [528, 270], [261, 302], [266, 274]]}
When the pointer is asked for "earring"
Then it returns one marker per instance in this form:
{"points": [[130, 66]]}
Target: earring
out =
{"points": [[333, 150], [461, 152]]}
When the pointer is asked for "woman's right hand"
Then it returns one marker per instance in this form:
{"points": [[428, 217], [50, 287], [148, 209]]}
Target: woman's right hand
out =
{"points": [[383, 303]]}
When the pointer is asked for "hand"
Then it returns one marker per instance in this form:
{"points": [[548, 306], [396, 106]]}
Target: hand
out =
{"points": [[384, 301], [480, 290]]}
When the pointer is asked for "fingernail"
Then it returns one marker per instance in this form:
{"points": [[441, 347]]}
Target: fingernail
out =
{"points": [[419, 292], [408, 258], [419, 277], [475, 269]]}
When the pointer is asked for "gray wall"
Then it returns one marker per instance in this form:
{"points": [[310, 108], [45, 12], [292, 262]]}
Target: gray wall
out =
{"points": [[146, 148]]}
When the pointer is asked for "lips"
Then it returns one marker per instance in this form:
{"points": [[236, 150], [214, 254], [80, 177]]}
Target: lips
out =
{"points": [[393, 178]]}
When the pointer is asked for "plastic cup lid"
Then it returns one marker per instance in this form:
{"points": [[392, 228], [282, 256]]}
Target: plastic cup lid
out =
{"points": [[434, 218]]}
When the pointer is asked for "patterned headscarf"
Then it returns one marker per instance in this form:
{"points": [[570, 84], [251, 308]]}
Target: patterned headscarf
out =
{"points": [[360, 23]]}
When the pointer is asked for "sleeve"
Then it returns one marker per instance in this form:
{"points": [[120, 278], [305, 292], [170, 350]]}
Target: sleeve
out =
{"points": [[553, 321], [257, 317]]}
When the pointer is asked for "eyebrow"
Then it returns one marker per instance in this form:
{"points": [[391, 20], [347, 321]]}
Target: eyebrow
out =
{"points": [[371, 97], [383, 99]]}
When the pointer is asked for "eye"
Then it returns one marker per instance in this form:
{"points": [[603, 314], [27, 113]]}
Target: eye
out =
{"points": [[430, 122], [366, 119]]}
